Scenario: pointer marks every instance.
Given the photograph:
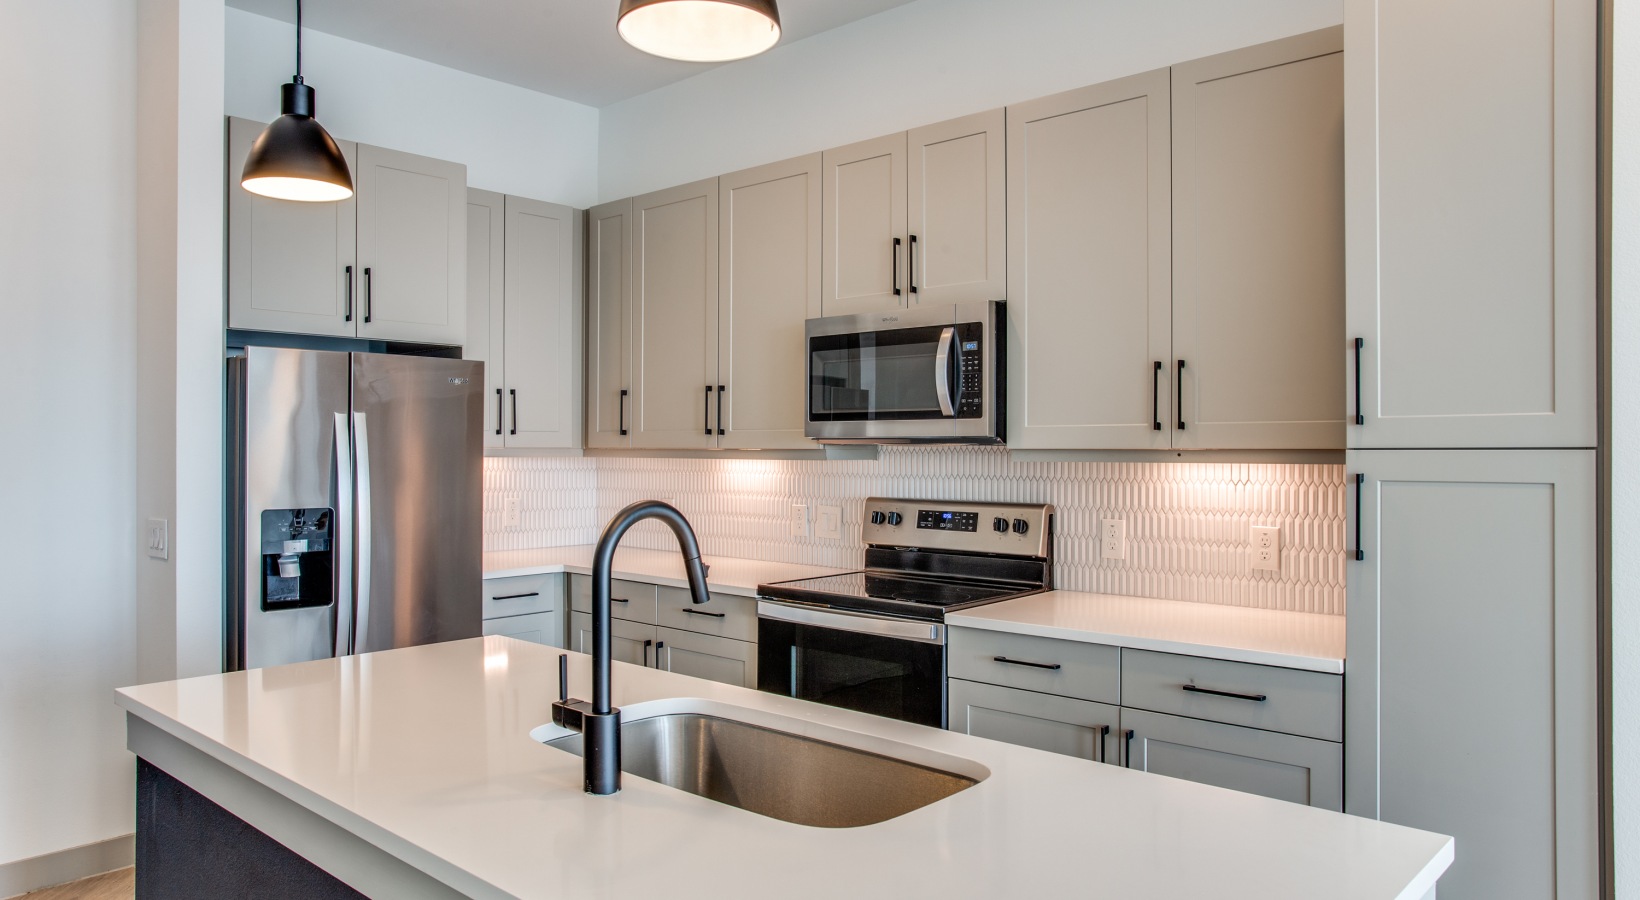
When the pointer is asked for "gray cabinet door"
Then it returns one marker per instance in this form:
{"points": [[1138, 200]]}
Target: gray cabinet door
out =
{"points": [[1283, 766], [537, 628], [629, 642], [1056, 724], [1470, 693], [864, 212], [609, 400], [412, 220], [769, 283], [956, 210], [706, 656], [1090, 268], [1258, 245], [542, 337], [486, 315], [674, 258], [291, 265], [1471, 177]]}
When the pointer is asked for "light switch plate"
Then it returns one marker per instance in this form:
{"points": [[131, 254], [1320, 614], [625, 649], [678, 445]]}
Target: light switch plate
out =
{"points": [[828, 522], [159, 538], [511, 517], [800, 520], [1113, 539], [1265, 543]]}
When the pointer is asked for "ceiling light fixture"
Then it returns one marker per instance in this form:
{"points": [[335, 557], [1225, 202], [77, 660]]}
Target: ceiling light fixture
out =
{"points": [[700, 30], [295, 158]]}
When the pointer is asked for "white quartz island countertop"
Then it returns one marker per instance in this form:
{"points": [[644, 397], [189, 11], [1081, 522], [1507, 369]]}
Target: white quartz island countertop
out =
{"points": [[1264, 636], [725, 574], [424, 755]]}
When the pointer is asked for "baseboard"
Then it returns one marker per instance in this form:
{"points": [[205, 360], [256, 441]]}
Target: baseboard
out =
{"points": [[72, 864]]}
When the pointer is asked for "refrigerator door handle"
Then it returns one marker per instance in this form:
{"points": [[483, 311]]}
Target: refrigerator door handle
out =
{"points": [[361, 466], [344, 537]]}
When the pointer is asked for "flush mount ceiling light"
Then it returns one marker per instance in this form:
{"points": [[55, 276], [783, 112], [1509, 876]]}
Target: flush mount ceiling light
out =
{"points": [[295, 158], [700, 30]]}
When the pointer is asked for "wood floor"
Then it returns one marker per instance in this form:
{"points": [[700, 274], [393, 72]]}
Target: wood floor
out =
{"points": [[119, 885]]}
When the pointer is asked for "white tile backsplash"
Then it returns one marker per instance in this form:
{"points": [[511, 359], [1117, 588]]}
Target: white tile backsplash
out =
{"points": [[1187, 523]]}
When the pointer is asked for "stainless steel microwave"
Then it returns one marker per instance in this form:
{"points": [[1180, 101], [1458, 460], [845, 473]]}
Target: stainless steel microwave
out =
{"points": [[917, 375]]}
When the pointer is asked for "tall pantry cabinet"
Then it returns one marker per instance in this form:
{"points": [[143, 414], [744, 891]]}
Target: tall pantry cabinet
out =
{"points": [[1471, 687]]}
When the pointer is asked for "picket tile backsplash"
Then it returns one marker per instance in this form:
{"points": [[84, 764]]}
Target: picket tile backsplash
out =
{"points": [[1187, 523]]}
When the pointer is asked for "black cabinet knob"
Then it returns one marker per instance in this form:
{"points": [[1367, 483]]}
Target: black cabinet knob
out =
{"points": [[895, 518], [877, 518], [1021, 526], [999, 525]]}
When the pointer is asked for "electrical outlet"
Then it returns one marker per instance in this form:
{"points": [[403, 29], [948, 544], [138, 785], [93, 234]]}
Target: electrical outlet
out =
{"points": [[828, 522], [1266, 548], [800, 520], [511, 516], [159, 538], [1113, 539]]}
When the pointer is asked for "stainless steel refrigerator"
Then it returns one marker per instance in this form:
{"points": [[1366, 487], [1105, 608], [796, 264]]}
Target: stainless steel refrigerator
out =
{"points": [[356, 507]]}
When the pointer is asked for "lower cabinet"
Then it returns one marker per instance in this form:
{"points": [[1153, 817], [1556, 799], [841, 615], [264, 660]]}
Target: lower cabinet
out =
{"points": [[629, 642], [538, 628], [526, 607], [706, 656], [1063, 725], [1283, 766], [715, 641]]}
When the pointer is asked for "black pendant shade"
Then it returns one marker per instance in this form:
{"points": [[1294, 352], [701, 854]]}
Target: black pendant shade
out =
{"points": [[295, 158]]}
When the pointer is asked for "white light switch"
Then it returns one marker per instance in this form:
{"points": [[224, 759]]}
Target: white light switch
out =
{"points": [[511, 517], [159, 538], [800, 520], [828, 522], [1266, 548], [1113, 539]]}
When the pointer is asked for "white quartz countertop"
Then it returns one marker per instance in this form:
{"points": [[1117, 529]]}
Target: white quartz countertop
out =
{"points": [[726, 574], [425, 753], [1266, 637]]}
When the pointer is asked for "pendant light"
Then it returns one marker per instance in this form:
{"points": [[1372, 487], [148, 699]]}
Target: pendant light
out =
{"points": [[700, 30], [295, 158]]}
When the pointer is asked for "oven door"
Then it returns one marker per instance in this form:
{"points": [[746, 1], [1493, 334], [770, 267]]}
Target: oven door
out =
{"points": [[883, 666]]}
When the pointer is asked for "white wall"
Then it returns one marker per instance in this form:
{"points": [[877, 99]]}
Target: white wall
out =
{"points": [[67, 477], [915, 64], [1625, 443], [513, 140]]}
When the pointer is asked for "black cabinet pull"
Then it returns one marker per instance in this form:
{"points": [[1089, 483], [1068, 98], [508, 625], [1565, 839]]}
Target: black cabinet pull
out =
{"points": [[896, 266], [659, 646], [722, 389], [706, 412], [518, 596], [1256, 698], [514, 394], [622, 421], [563, 677], [911, 264], [1021, 662], [619, 600], [1359, 418], [1156, 397], [1099, 743], [1127, 748], [499, 415], [1360, 480], [698, 612], [646, 646], [348, 315], [1180, 388], [367, 295]]}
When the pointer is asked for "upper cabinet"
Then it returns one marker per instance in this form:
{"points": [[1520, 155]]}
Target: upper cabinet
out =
{"points": [[608, 325], [486, 302], [916, 217], [1472, 177], [1258, 246], [390, 264], [674, 272]]}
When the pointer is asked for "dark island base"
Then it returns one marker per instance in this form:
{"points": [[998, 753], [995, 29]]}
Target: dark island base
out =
{"points": [[189, 848]]}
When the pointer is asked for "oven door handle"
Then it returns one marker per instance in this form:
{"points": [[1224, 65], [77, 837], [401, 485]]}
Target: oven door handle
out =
{"points": [[942, 370], [901, 629]]}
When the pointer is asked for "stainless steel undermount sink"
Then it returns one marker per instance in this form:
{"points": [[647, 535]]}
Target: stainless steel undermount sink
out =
{"points": [[781, 774]]}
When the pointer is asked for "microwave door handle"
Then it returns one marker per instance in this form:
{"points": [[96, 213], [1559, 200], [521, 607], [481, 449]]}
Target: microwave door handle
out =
{"points": [[942, 370]]}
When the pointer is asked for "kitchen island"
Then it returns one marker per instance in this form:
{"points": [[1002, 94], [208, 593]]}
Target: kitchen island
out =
{"points": [[413, 773]]}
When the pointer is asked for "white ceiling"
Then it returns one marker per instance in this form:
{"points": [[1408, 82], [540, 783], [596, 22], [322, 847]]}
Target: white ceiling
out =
{"points": [[567, 48]]}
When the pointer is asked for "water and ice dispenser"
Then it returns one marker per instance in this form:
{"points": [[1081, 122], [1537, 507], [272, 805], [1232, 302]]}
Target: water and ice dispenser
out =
{"points": [[298, 558]]}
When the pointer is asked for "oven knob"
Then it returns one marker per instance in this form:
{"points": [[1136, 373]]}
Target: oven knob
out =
{"points": [[999, 525], [1021, 526], [877, 518], [894, 518]]}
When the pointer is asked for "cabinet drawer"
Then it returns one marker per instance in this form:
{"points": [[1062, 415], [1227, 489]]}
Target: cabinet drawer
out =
{"points": [[1056, 724], [523, 595], [537, 628], [1066, 668], [633, 601], [1267, 697], [629, 642], [723, 615], [1283, 766], [706, 656]]}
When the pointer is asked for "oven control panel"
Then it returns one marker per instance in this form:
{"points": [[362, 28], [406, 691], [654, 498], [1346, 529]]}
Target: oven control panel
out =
{"points": [[1010, 528]]}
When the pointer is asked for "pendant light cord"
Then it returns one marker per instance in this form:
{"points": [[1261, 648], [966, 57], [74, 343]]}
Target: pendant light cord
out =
{"points": [[298, 41]]}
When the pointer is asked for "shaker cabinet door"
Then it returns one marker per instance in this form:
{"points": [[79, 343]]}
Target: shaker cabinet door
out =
{"points": [[1283, 766], [542, 343], [486, 313], [609, 390], [629, 642], [864, 212], [674, 259], [956, 210], [706, 656], [412, 247], [1062, 725]]}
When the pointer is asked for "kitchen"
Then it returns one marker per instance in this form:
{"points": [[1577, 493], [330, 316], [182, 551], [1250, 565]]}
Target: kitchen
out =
{"points": [[744, 506]]}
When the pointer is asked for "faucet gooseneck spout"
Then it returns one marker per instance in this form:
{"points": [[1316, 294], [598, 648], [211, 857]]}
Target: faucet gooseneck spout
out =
{"points": [[600, 725]]}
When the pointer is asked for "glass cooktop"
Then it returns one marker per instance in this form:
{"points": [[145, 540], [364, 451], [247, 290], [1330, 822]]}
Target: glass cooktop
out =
{"points": [[886, 592]]}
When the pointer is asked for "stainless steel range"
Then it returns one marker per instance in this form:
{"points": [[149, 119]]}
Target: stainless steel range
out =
{"points": [[874, 640]]}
